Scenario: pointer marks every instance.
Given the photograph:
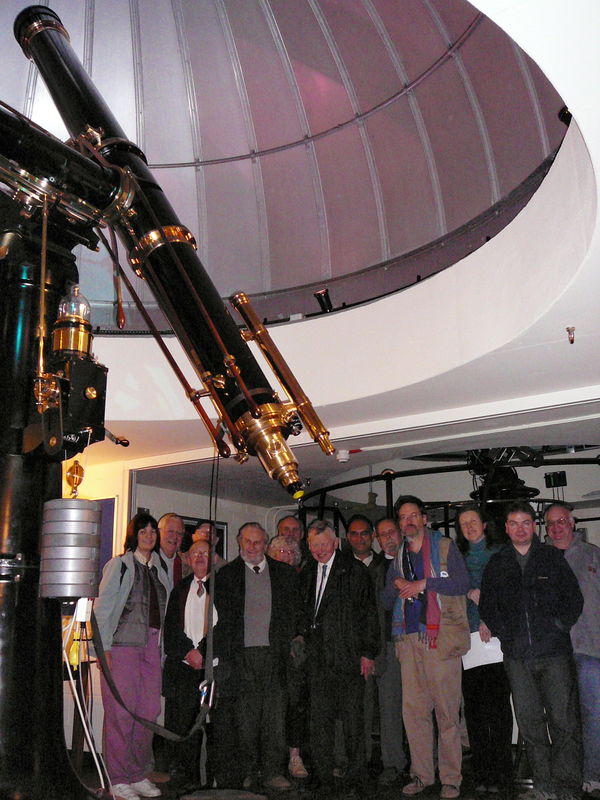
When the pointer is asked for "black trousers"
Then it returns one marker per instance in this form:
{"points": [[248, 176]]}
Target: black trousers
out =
{"points": [[261, 712], [546, 702], [335, 695], [182, 702], [297, 707], [486, 692]]}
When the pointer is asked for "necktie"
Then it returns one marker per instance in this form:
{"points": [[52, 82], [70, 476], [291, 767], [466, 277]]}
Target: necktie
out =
{"points": [[200, 587], [176, 570], [321, 586], [256, 568]]}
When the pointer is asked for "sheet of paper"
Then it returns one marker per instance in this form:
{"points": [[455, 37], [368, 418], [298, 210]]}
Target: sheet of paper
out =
{"points": [[482, 652]]}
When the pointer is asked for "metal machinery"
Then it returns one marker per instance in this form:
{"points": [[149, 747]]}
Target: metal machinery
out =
{"points": [[494, 478], [57, 196]]}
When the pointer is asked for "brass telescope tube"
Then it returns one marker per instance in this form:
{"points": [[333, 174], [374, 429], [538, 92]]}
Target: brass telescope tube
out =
{"points": [[163, 252]]}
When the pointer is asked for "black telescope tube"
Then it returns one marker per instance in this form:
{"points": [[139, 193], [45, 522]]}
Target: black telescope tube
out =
{"points": [[64, 170], [179, 288]]}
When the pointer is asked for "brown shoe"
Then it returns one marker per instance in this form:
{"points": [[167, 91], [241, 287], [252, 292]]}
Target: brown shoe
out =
{"points": [[449, 792], [296, 767], [416, 786], [278, 782]]}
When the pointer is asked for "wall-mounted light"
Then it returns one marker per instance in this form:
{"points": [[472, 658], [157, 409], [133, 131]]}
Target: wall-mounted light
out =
{"points": [[324, 300], [565, 116], [571, 334]]}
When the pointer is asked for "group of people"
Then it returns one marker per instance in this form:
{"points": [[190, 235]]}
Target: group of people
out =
{"points": [[311, 641]]}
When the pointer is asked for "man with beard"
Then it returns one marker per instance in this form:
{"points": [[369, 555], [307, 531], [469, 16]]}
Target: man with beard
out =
{"points": [[257, 601], [426, 589]]}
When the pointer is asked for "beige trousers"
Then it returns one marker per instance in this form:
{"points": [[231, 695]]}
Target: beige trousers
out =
{"points": [[430, 683]]}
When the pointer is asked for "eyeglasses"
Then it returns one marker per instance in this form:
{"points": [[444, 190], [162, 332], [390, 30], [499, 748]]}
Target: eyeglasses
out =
{"points": [[553, 523], [526, 523], [414, 515]]}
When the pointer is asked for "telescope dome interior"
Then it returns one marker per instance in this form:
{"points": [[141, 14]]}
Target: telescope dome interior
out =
{"points": [[357, 146]]}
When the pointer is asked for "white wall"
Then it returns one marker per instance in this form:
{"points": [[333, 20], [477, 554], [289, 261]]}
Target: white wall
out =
{"points": [[160, 501], [112, 480]]}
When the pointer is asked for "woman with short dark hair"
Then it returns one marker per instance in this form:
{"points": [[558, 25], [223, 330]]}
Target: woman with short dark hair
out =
{"points": [[130, 610]]}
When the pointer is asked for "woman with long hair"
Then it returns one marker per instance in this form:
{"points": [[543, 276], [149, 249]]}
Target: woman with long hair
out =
{"points": [[486, 691], [130, 610]]}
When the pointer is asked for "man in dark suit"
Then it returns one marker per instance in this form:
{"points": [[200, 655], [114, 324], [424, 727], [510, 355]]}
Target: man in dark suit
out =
{"points": [[186, 625], [342, 637], [258, 606], [359, 533]]}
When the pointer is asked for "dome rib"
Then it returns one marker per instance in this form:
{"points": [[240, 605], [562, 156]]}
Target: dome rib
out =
{"points": [[346, 79], [474, 103], [194, 123], [262, 221], [534, 97], [311, 156], [138, 73]]}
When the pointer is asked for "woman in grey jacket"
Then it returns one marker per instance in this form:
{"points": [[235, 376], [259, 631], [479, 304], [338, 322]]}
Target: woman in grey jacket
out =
{"points": [[130, 610]]}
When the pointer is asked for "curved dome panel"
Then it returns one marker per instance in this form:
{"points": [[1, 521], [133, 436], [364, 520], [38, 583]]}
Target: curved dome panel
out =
{"points": [[305, 141]]}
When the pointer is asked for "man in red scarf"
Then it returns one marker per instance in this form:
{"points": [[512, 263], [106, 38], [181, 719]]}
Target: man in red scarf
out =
{"points": [[426, 588]]}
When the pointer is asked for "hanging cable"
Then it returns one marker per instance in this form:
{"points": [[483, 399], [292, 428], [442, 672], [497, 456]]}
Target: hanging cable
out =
{"points": [[71, 659]]}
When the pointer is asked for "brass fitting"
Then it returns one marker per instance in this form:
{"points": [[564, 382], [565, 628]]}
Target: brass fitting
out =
{"points": [[264, 438]]}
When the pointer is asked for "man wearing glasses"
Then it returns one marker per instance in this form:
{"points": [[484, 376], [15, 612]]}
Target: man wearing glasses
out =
{"points": [[426, 589], [584, 560], [529, 600]]}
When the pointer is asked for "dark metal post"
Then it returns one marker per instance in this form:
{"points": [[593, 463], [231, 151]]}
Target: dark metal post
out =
{"points": [[34, 764]]}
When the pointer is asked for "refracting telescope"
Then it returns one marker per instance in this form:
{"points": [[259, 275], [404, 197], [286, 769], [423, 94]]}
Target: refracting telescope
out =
{"points": [[119, 190], [54, 197]]}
